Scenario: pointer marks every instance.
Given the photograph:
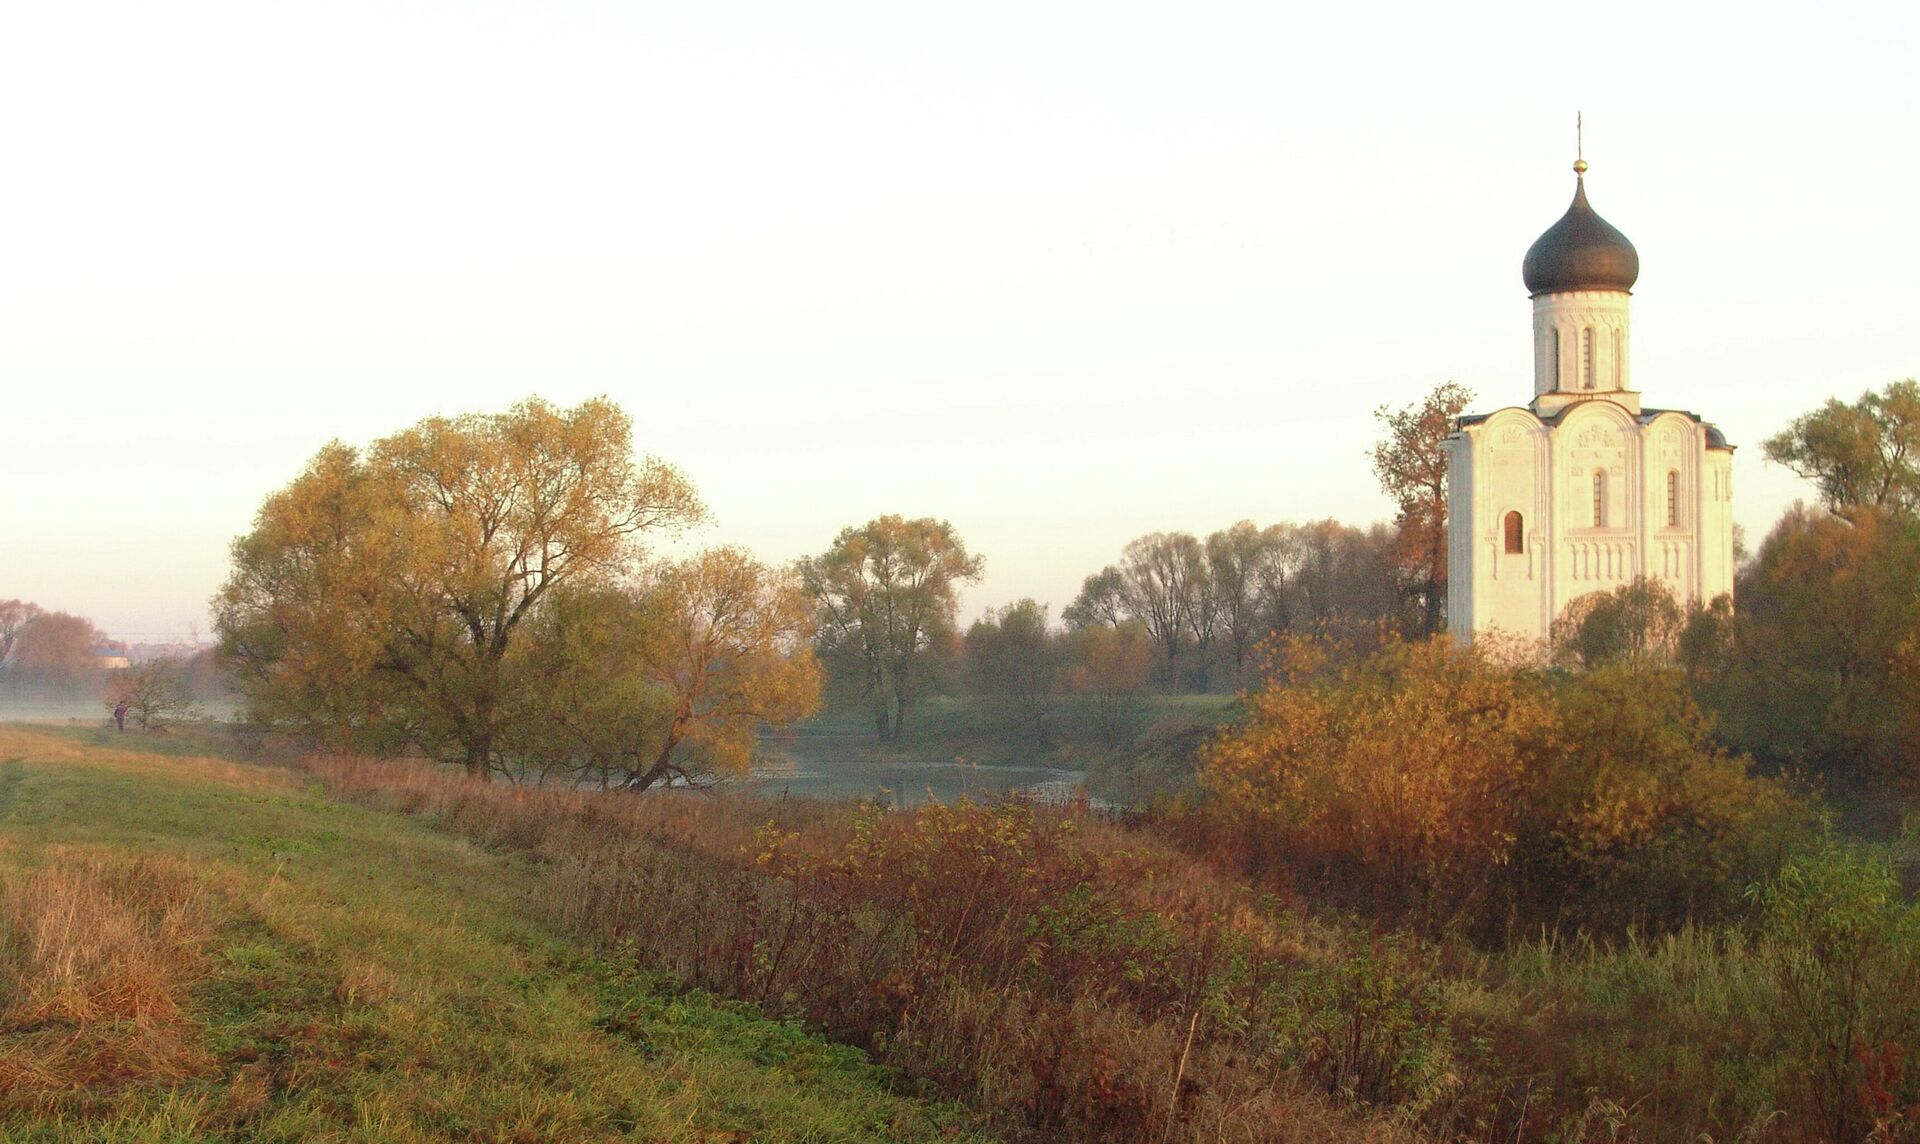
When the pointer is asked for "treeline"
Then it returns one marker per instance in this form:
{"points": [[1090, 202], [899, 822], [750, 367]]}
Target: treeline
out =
{"points": [[1176, 613], [57, 657], [49, 653], [1207, 603]]}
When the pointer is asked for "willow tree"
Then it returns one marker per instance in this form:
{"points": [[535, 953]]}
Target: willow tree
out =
{"points": [[382, 597], [1861, 455], [886, 594], [671, 678]]}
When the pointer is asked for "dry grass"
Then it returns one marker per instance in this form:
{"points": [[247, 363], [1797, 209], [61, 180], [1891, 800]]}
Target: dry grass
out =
{"points": [[1067, 977], [96, 953], [1074, 978], [193, 948]]}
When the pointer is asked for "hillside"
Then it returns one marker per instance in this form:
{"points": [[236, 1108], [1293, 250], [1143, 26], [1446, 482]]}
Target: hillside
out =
{"points": [[193, 947]]}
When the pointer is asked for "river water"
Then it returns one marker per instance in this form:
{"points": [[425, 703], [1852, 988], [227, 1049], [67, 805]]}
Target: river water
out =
{"points": [[811, 767], [808, 765]]}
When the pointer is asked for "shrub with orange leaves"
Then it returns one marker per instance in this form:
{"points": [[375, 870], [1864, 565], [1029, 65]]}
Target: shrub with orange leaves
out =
{"points": [[1406, 771], [1464, 786]]}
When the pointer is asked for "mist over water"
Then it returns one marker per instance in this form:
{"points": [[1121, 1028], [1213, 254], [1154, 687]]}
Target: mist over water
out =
{"points": [[28, 707], [905, 784], [55, 709], [827, 765]]}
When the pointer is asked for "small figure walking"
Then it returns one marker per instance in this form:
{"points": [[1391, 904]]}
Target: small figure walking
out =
{"points": [[120, 716]]}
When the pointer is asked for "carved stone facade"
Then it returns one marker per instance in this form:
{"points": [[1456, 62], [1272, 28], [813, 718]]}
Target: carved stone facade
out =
{"points": [[1582, 490]]}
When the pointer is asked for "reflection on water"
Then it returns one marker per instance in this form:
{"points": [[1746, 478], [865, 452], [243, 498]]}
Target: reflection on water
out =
{"points": [[824, 774]]}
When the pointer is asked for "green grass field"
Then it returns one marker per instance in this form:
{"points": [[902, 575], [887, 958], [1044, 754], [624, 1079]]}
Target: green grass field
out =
{"points": [[193, 947]]}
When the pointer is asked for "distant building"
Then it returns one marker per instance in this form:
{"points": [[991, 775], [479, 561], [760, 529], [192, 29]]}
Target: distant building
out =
{"points": [[1582, 489], [141, 653]]}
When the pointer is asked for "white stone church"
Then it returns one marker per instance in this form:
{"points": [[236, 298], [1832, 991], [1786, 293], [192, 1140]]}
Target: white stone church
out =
{"points": [[1583, 488]]}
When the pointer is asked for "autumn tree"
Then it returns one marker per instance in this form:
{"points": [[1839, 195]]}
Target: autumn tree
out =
{"points": [[1102, 601], [885, 595], [731, 652], [1161, 581], [1246, 575], [1165, 578], [1825, 666], [55, 650], [1411, 464], [1860, 454], [1108, 667], [157, 693], [15, 615], [1818, 666], [1341, 580], [1011, 659], [381, 597], [1639, 816], [671, 678], [1638, 624]]}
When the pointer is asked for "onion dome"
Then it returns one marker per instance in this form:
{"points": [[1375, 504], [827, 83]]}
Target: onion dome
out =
{"points": [[1580, 252]]}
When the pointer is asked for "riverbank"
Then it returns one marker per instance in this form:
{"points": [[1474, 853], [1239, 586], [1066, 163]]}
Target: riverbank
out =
{"points": [[958, 747], [198, 947]]}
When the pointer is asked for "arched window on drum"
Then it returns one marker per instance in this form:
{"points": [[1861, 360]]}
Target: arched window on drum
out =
{"points": [[1516, 534]]}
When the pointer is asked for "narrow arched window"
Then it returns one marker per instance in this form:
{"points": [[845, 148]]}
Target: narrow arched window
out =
{"points": [[1673, 498], [1586, 358], [1516, 534], [1556, 357], [1619, 361], [1599, 498]]}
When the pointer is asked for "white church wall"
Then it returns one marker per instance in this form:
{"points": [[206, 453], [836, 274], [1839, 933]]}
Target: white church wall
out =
{"points": [[1603, 496], [1596, 448], [1580, 340]]}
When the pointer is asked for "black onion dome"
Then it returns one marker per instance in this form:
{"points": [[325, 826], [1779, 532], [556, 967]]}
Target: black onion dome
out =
{"points": [[1580, 252]]}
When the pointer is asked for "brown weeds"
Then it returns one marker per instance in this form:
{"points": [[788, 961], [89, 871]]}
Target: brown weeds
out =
{"points": [[1064, 975], [95, 954]]}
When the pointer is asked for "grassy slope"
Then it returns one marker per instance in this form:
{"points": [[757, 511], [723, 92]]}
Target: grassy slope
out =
{"points": [[369, 978]]}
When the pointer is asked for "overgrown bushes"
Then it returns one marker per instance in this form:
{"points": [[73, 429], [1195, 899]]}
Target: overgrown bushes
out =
{"points": [[1074, 977], [1062, 974], [1449, 786]]}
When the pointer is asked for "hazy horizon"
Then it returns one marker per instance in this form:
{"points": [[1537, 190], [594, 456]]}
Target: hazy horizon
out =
{"points": [[1062, 276]]}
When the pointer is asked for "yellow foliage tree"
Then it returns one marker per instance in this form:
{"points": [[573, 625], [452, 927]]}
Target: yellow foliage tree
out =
{"points": [[671, 678], [380, 599]]}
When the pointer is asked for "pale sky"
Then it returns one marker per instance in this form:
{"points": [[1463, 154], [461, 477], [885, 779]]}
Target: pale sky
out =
{"points": [[1061, 274]]}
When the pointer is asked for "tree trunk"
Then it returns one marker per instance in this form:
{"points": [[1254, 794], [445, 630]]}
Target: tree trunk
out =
{"points": [[887, 712], [662, 762]]}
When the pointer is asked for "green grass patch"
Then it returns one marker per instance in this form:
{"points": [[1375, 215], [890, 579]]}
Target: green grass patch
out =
{"points": [[369, 978]]}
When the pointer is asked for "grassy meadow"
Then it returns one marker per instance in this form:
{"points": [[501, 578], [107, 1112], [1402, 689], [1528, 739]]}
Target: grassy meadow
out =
{"points": [[193, 947], [197, 947], [1074, 975]]}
